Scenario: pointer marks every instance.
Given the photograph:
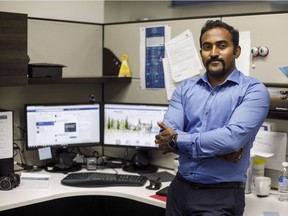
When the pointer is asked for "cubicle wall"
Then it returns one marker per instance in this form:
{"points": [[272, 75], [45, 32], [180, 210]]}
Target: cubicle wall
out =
{"points": [[75, 45], [79, 47], [125, 39], [266, 30], [269, 31]]}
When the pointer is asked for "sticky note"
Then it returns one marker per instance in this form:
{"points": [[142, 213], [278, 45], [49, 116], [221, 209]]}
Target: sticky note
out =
{"points": [[284, 70], [45, 153]]}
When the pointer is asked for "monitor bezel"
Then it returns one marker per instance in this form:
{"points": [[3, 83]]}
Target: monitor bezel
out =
{"points": [[57, 147], [123, 145]]}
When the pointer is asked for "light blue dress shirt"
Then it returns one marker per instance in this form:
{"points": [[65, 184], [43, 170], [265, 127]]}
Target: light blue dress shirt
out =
{"points": [[215, 121]]}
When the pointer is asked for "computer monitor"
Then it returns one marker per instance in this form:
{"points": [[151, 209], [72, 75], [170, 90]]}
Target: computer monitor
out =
{"points": [[61, 126], [132, 125]]}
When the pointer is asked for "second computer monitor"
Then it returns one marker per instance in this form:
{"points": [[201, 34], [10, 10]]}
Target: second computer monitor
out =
{"points": [[132, 125]]}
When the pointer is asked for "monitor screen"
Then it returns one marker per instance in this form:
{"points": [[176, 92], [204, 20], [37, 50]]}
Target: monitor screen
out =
{"points": [[62, 125], [132, 125]]}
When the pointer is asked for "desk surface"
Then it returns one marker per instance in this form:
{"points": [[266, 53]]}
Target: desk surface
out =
{"points": [[20, 196]]}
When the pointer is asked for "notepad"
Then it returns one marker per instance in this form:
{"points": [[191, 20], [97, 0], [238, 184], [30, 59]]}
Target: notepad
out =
{"points": [[163, 191], [34, 180], [162, 198]]}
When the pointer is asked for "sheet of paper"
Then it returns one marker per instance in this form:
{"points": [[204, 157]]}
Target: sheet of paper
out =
{"points": [[243, 62], [183, 57], [6, 134], [170, 85], [270, 145], [266, 126]]}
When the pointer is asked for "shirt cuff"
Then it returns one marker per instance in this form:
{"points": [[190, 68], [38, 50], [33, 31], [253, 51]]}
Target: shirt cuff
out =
{"points": [[186, 142]]}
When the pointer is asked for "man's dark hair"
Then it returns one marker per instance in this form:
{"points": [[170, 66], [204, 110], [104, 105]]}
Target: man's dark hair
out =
{"points": [[210, 24]]}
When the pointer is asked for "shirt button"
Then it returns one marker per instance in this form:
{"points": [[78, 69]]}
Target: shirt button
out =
{"points": [[206, 113], [212, 93]]}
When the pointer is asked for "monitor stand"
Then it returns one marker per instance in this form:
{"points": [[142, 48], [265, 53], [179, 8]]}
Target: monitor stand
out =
{"points": [[140, 163], [63, 164]]}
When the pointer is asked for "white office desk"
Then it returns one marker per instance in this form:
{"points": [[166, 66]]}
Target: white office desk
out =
{"points": [[256, 206], [20, 197]]}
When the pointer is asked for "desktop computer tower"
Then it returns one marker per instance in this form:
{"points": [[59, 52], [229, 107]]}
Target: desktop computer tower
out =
{"points": [[6, 143]]}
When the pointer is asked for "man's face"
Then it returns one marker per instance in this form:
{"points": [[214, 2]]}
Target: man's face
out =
{"points": [[218, 53]]}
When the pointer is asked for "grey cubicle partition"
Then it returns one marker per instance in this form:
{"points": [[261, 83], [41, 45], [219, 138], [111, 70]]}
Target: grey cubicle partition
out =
{"points": [[266, 30], [125, 39], [270, 31], [75, 45]]}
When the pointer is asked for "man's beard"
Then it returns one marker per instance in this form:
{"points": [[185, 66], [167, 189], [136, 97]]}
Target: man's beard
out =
{"points": [[220, 74]]}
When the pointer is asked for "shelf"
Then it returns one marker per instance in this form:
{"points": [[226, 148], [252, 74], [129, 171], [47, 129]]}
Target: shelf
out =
{"points": [[282, 115], [77, 80]]}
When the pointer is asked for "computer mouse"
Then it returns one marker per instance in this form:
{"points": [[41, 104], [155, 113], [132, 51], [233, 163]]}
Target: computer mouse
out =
{"points": [[154, 185]]}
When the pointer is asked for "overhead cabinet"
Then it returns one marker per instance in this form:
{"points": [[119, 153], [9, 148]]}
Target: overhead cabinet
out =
{"points": [[13, 49]]}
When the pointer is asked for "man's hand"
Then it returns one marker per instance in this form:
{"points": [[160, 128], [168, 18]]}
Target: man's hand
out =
{"points": [[162, 139], [234, 156]]}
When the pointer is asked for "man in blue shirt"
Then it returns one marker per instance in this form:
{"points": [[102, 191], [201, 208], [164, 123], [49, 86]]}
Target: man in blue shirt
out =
{"points": [[211, 123]]}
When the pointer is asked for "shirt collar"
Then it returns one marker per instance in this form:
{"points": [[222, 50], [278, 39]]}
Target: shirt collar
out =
{"points": [[233, 77]]}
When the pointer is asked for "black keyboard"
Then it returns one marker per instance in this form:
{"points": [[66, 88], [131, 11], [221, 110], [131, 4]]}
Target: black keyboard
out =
{"points": [[98, 179]]}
